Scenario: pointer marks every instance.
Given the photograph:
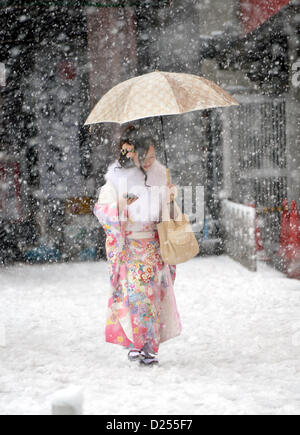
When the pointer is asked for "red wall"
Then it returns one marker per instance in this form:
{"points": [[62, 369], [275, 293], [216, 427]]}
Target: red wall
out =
{"points": [[256, 12]]}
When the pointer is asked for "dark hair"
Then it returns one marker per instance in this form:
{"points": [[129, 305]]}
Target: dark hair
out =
{"points": [[141, 143]]}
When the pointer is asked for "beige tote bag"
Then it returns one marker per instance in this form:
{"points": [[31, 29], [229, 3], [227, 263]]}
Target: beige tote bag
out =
{"points": [[178, 243]]}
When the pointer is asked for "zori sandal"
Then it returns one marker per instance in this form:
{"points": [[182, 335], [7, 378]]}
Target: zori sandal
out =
{"points": [[148, 359], [134, 354]]}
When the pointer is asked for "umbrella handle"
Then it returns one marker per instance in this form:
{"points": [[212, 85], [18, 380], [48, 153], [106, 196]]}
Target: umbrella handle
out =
{"points": [[168, 175], [165, 151]]}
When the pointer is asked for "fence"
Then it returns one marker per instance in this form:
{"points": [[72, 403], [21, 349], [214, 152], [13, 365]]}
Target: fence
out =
{"points": [[240, 225], [256, 160]]}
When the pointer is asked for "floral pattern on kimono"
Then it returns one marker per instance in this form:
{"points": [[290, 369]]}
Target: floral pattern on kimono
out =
{"points": [[142, 306]]}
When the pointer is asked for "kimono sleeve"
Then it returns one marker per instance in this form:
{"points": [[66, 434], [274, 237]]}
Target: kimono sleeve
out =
{"points": [[106, 211]]}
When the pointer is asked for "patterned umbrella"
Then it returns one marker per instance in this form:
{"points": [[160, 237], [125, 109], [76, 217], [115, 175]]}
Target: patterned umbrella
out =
{"points": [[158, 94]]}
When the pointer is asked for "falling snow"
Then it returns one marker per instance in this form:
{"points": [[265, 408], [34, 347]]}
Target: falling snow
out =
{"points": [[240, 351]]}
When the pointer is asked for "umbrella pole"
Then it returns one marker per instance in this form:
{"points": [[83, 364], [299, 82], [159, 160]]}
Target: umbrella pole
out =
{"points": [[165, 151]]}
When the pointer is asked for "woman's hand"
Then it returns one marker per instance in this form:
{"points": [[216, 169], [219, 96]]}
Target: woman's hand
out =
{"points": [[172, 191], [123, 202]]}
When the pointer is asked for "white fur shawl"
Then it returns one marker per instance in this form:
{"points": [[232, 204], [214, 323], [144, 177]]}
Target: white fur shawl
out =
{"points": [[147, 208]]}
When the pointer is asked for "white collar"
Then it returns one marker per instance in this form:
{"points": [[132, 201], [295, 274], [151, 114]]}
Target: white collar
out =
{"points": [[156, 174]]}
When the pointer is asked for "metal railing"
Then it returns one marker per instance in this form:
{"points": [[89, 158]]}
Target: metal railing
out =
{"points": [[257, 158]]}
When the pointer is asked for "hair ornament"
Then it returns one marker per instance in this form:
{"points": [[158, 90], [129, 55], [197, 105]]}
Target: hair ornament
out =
{"points": [[126, 147]]}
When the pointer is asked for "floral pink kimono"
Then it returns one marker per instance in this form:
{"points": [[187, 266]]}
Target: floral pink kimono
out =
{"points": [[141, 307]]}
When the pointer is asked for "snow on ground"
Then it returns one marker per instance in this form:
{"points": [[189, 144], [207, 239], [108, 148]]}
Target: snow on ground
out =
{"points": [[239, 352]]}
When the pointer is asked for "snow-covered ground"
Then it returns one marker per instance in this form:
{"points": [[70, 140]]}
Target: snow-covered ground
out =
{"points": [[239, 352]]}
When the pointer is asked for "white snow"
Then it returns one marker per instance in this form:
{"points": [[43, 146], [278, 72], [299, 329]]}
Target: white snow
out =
{"points": [[239, 352], [68, 401]]}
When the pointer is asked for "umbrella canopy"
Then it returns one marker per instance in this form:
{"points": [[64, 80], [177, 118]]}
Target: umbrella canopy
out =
{"points": [[157, 94]]}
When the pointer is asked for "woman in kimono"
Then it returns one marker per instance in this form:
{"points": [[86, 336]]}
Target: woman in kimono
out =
{"points": [[142, 311]]}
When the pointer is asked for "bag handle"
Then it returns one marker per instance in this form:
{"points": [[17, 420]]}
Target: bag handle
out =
{"points": [[165, 208], [166, 212]]}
